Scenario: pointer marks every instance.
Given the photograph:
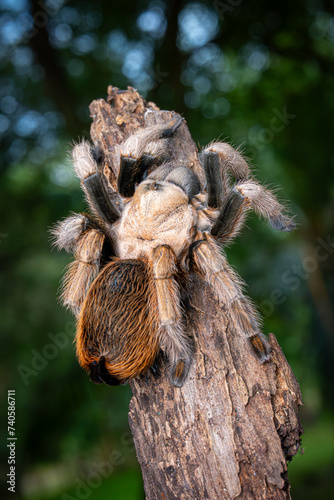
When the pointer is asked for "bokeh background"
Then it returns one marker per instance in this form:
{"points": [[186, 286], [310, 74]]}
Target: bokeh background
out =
{"points": [[257, 73]]}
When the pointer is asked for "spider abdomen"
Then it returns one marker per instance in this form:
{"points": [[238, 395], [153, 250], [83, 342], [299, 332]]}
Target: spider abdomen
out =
{"points": [[117, 321]]}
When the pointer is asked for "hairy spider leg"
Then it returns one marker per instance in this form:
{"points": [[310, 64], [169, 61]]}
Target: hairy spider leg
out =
{"points": [[66, 233], [217, 185], [94, 373], [207, 257], [219, 160], [98, 197], [176, 344], [102, 202], [141, 151], [76, 234], [231, 217], [266, 205], [132, 172], [83, 270]]}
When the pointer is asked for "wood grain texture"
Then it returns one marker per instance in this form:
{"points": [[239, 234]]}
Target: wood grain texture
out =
{"points": [[229, 431]]}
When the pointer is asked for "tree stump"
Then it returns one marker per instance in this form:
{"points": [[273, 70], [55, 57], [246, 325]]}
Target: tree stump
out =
{"points": [[230, 430]]}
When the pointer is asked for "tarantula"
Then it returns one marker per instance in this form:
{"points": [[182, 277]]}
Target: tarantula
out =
{"points": [[133, 255]]}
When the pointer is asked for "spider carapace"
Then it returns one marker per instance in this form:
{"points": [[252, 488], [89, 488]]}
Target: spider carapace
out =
{"points": [[133, 253]]}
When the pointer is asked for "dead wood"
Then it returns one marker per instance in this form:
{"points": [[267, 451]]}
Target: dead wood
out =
{"points": [[229, 432]]}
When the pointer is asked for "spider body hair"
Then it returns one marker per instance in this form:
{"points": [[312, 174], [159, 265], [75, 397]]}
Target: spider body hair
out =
{"points": [[118, 321], [83, 270], [133, 256]]}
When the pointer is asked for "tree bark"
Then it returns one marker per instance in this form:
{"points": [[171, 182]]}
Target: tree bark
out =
{"points": [[231, 429]]}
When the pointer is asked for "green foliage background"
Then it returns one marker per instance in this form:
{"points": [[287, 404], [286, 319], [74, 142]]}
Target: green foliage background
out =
{"points": [[257, 73]]}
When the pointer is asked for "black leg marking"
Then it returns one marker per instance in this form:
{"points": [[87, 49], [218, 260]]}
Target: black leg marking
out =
{"points": [[213, 173], [105, 375], [89, 223], [98, 156], [126, 185], [171, 126], [155, 368], [132, 172], [179, 372], [261, 347], [226, 223], [107, 252], [101, 201], [190, 262], [94, 373]]}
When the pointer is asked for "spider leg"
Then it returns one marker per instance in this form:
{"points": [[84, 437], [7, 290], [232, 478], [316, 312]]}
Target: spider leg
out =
{"points": [[155, 368], [94, 373], [240, 200], [207, 258], [81, 273], [173, 339], [102, 202], [79, 234], [266, 205], [67, 232], [218, 160], [141, 151], [132, 170], [231, 217]]}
